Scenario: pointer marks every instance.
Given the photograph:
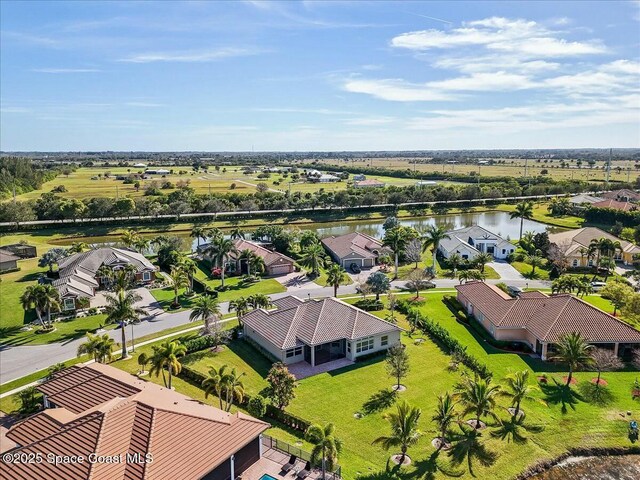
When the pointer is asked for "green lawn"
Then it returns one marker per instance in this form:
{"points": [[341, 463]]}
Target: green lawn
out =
{"points": [[525, 269], [322, 279]]}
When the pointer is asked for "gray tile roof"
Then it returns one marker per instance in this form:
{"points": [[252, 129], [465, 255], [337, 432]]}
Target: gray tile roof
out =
{"points": [[358, 243], [314, 322], [7, 256]]}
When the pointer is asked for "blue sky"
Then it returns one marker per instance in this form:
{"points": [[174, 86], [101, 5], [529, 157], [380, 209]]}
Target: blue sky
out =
{"points": [[342, 75]]}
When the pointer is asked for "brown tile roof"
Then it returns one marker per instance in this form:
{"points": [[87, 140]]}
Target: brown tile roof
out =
{"points": [[186, 438], [623, 194], [547, 317], [359, 243], [572, 240], [616, 205], [315, 322], [267, 255]]}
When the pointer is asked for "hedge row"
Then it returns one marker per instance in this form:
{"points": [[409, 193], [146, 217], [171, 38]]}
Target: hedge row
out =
{"points": [[200, 343], [450, 344]]}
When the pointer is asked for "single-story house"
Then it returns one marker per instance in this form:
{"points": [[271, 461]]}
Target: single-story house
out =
{"points": [[132, 429], [318, 331], [539, 320], [140, 165], [616, 205], [574, 243], [276, 263], [369, 183], [584, 199], [22, 250], [327, 178], [160, 171], [469, 242], [79, 277], [358, 177], [8, 261], [358, 248], [623, 195]]}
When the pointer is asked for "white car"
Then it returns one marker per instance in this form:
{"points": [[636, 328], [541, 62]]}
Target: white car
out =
{"points": [[597, 286]]}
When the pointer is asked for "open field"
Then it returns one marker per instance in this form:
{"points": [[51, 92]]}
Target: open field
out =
{"points": [[620, 170], [88, 182]]}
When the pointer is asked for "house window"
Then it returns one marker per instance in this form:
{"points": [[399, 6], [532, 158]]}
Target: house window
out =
{"points": [[348, 347], [575, 262], [294, 352], [146, 276], [504, 251], [591, 262], [364, 345], [384, 340], [69, 304]]}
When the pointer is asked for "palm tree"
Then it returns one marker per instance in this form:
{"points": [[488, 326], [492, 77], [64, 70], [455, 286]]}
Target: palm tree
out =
{"points": [[129, 237], [220, 250], [124, 278], [205, 308], [142, 244], [143, 359], [249, 256], [121, 309], [99, 347], [237, 233], [166, 355], [482, 259], [523, 210], [313, 257], [50, 300], [455, 260], [105, 348], [404, 429], [78, 247], [188, 266], [241, 307], [608, 264], [179, 279], [233, 388], [105, 274], [477, 396], [214, 234], [258, 300], [335, 276], [535, 261], [326, 446], [32, 298], [518, 389], [444, 415], [90, 347], [396, 239], [432, 237], [213, 384], [573, 350], [198, 233]]}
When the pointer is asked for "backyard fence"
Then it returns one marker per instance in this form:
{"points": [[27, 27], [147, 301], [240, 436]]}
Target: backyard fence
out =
{"points": [[284, 447]]}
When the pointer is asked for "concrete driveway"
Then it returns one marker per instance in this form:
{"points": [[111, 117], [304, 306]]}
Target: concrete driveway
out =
{"points": [[148, 302], [506, 271]]}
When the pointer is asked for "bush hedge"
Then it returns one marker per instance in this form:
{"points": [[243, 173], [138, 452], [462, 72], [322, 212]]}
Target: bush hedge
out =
{"points": [[369, 304]]}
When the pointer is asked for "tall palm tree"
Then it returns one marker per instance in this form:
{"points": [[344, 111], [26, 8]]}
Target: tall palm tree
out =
{"points": [[90, 347], [32, 298], [326, 446], [129, 237], [233, 388], [124, 278], [213, 384], [313, 257], [396, 239], [482, 259], [50, 300], [249, 256], [573, 350], [141, 244], [220, 251], [432, 237], [213, 234], [205, 308], [105, 348], [241, 307], [477, 396], [99, 347], [236, 233], [523, 210], [455, 260], [166, 355], [188, 266], [335, 276], [404, 429], [121, 309], [198, 233], [106, 275], [78, 247], [518, 389], [443, 416], [259, 300], [179, 279]]}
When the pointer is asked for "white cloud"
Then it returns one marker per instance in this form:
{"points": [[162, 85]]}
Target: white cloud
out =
{"points": [[211, 55], [65, 70], [396, 90], [370, 121], [484, 82]]}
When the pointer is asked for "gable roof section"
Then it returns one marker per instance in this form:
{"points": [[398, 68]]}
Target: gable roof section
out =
{"points": [[623, 194], [315, 322], [7, 256], [585, 198], [616, 205], [581, 237], [353, 243], [186, 438], [547, 317], [267, 255]]}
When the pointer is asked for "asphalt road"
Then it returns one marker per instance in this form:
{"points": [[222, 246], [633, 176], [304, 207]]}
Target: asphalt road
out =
{"points": [[19, 361]]}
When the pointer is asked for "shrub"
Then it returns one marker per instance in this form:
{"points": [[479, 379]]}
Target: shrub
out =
{"points": [[93, 311], [201, 343], [257, 406], [369, 305]]}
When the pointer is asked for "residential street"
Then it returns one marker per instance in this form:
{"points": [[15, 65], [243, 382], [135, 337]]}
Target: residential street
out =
{"points": [[16, 362]]}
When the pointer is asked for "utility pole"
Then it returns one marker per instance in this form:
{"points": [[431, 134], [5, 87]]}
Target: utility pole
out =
{"points": [[609, 168]]}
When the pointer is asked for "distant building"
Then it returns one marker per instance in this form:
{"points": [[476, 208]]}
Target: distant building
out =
{"points": [[471, 241], [371, 183], [575, 243], [140, 165], [160, 171], [8, 261], [623, 195], [616, 205], [359, 177], [358, 248], [22, 250], [327, 178], [426, 183], [584, 199]]}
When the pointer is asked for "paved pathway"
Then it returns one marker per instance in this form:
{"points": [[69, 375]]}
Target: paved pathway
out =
{"points": [[506, 271]]}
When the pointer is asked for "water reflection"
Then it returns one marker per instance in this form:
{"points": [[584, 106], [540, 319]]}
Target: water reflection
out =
{"points": [[626, 467]]}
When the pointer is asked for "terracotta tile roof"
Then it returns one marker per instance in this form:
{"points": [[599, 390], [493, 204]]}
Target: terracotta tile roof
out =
{"points": [[616, 205], [358, 243], [267, 255], [547, 317], [623, 194], [315, 322], [186, 438], [573, 240]]}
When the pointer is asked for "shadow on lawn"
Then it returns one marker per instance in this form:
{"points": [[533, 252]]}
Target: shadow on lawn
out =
{"points": [[379, 401], [561, 394]]}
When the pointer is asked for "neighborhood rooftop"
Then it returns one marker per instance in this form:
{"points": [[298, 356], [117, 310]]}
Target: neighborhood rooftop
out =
{"points": [[186, 438], [357, 243], [546, 317]]}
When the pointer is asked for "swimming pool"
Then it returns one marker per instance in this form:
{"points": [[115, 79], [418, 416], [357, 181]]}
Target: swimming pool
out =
{"points": [[267, 477]]}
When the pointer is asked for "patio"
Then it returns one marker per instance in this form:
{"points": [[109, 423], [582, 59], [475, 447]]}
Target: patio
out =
{"points": [[303, 369]]}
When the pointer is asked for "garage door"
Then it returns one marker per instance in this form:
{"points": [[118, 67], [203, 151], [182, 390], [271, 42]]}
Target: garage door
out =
{"points": [[357, 261], [280, 269]]}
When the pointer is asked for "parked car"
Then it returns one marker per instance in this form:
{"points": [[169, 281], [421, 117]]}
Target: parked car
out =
{"points": [[514, 291], [355, 268], [597, 286]]}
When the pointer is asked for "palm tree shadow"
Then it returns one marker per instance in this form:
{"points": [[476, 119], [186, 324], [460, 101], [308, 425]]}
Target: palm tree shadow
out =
{"points": [[515, 429], [428, 469], [561, 394], [468, 448], [380, 400]]}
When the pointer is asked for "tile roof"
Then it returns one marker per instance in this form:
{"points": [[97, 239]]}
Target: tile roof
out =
{"points": [[7, 256], [572, 240], [462, 237], [584, 198], [610, 203], [623, 194], [358, 243], [314, 322], [186, 438], [547, 317], [77, 272], [267, 255]]}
